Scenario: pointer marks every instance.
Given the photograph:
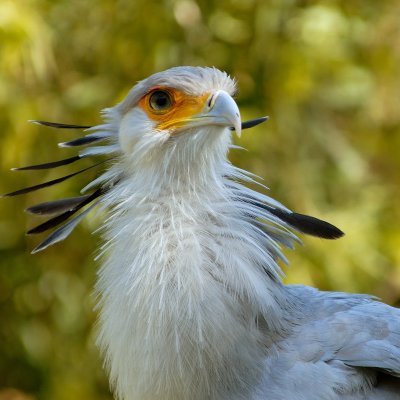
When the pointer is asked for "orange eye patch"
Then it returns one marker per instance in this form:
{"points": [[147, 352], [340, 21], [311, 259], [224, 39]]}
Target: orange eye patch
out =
{"points": [[170, 108]]}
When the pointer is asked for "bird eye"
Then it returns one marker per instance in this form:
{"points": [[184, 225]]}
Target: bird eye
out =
{"points": [[160, 100]]}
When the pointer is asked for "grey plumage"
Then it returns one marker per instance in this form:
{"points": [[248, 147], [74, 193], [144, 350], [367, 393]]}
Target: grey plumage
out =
{"points": [[353, 339]]}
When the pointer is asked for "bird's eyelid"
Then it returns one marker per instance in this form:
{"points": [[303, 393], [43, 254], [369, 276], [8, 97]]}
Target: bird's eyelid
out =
{"points": [[153, 89], [161, 88]]}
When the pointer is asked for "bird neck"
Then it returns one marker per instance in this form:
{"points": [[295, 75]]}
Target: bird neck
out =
{"points": [[186, 279]]}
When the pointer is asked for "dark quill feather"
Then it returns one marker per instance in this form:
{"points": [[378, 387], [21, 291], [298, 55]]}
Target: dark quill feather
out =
{"points": [[56, 206], [63, 232], [49, 183], [82, 141], [51, 223], [251, 123], [59, 125], [53, 164], [254, 122], [303, 223], [307, 224]]}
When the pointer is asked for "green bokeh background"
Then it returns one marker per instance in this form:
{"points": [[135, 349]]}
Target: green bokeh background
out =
{"points": [[326, 72]]}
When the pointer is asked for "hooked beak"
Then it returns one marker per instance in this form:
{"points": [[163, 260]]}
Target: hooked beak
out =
{"points": [[220, 110]]}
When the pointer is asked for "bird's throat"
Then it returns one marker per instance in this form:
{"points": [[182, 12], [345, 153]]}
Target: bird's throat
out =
{"points": [[181, 291]]}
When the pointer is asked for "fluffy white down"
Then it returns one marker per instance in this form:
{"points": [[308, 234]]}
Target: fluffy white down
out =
{"points": [[183, 281]]}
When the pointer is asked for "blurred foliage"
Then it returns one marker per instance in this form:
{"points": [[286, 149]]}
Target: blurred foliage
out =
{"points": [[327, 72]]}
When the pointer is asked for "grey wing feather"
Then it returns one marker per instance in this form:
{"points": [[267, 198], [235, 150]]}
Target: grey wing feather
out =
{"points": [[357, 330], [374, 337], [349, 342]]}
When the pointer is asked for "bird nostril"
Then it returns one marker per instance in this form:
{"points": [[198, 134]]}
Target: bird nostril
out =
{"points": [[210, 101]]}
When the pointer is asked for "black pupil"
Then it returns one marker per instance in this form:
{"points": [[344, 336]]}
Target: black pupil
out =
{"points": [[160, 100]]}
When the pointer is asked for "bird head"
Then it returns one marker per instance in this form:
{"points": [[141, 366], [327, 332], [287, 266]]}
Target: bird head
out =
{"points": [[177, 115]]}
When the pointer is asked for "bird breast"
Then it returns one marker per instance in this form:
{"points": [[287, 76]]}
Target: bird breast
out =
{"points": [[179, 294]]}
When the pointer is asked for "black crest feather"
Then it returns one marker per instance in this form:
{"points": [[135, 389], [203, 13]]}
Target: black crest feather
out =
{"points": [[308, 224], [59, 125], [303, 223], [63, 231], [57, 220], [251, 123], [82, 141], [49, 183], [52, 164]]}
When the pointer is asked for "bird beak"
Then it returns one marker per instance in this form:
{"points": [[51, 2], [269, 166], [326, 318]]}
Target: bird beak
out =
{"points": [[220, 110]]}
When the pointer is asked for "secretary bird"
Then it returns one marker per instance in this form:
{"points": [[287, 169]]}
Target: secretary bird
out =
{"points": [[191, 301]]}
